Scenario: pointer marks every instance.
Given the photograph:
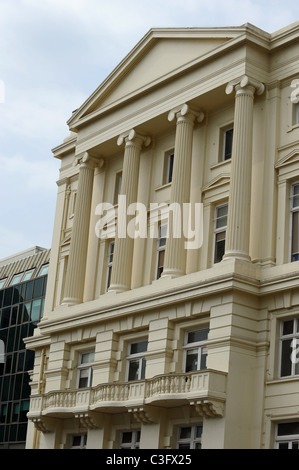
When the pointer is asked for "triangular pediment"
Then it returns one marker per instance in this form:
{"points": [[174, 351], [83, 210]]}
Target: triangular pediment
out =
{"points": [[289, 159], [219, 180], [158, 57]]}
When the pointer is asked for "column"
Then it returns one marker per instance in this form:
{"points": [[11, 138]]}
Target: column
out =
{"points": [[124, 244], [74, 282], [175, 254], [238, 224]]}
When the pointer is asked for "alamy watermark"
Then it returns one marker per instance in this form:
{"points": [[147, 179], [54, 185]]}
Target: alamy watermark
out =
{"points": [[137, 221], [295, 92]]}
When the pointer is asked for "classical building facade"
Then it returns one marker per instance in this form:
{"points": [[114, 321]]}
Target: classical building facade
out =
{"points": [[23, 281], [177, 338]]}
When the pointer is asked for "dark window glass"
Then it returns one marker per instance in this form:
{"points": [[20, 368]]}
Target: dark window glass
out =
{"points": [[287, 429], [38, 288], [286, 364], [138, 347]]}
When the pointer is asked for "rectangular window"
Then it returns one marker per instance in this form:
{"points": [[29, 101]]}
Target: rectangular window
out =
{"points": [[109, 264], [161, 247], [168, 166], [228, 143], [295, 222], [130, 439], [43, 270], [289, 344], [220, 232], [78, 441], [117, 188], [85, 369], [287, 436], [295, 114], [136, 361], [189, 437], [195, 349]]}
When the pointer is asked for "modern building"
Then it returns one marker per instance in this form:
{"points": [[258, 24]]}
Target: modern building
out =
{"points": [[177, 338], [23, 280]]}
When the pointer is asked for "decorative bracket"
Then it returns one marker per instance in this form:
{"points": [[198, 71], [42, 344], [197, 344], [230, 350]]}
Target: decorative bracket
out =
{"points": [[208, 408], [144, 414], [89, 420]]}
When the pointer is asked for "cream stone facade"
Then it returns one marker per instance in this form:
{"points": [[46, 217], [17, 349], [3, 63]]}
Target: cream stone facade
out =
{"points": [[145, 343]]}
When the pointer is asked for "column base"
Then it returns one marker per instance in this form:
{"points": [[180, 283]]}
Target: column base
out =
{"points": [[236, 255], [69, 301], [172, 273], [117, 289]]}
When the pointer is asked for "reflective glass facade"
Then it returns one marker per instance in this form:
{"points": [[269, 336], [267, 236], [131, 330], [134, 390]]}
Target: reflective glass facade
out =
{"points": [[21, 308]]}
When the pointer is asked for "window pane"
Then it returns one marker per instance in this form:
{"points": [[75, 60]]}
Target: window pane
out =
{"points": [[133, 370], [35, 310], [295, 233], [185, 432], [192, 360], [228, 145], [126, 437], [219, 247], [138, 347], [286, 365], [286, 429], [221, 216], [203, 359], [198, 335], [87, 358], [288, 327]]}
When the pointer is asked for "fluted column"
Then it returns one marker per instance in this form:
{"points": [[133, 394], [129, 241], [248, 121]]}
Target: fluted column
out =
{"points": [[238, 224], [124, 245], [175, 254], [74, 282]]}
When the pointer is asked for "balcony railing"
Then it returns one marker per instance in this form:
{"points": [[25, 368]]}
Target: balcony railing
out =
{"points": [[206, 390]]}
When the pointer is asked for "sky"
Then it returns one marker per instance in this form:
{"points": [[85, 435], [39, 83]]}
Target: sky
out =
{"points": [[53, 55]]}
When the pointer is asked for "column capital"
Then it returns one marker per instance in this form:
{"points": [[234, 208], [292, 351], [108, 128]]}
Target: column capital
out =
{"points": [[89, 160], [245, 83], [133, 137], [185, 110]]}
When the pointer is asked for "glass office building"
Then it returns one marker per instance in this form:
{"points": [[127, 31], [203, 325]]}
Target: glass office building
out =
{"points": [[23, 280]]}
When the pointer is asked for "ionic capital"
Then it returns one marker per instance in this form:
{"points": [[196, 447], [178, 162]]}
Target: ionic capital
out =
{"points": [[185, 111], [245, 84], [134, 138], [88, 160]]}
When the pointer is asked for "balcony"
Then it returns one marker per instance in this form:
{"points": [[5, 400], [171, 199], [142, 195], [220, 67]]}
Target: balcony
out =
{"points": [[205, 390]]}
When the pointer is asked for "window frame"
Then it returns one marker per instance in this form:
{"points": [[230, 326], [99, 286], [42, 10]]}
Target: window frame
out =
{"points": [[110, 254], [287, 337], [193, 440], [219, 229], [199, 345], [160, 249], [135, 439], [83, 367], [288, 439], [83, 441], [293, 210], [168, 166], [117, 187], [139, 357]]}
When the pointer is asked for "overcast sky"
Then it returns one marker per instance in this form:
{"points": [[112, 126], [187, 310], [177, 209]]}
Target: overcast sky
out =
{"points": [[53, 55]]}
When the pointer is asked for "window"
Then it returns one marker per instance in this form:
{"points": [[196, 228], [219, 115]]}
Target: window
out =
{"points": [[136, 360], [22, 277], [85, 369], [295, 222], [130, 439], [220, 232], [287, 436], [109, 264], [168, 166], [289, 362], [117, 188], [44, 270], [295, 114], [78, 441], [195, 349], [161, 250], [2, 282], [189, 437], [226, 143]]}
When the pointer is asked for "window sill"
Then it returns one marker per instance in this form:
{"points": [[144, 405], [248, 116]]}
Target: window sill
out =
{"points": [[293, 127], [219, 164], [164, 186]]}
